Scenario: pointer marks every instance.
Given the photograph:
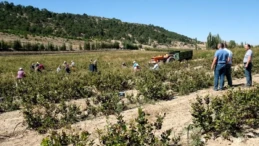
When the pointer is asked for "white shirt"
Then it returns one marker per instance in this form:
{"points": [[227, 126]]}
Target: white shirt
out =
{"points": [[230, 54], [248, 53], [58, 69], [156, 67]]}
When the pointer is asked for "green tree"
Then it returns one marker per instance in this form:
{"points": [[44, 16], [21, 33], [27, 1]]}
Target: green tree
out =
{"points": [[35, 47], [241, 45], [70, 47], [80, 47], [232, 44], [87, 46], [63, 47], [4, 46], [195, 43], [50, 47], [209, 41], [42, 47], [212, 41], [17, 45], [45, 23], [27, 46]]}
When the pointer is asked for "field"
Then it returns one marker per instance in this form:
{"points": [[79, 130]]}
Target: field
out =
{"points": [[31, 109]]}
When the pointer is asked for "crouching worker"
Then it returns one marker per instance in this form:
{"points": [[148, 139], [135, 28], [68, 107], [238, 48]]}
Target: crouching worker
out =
{"points": [[20, 74], [156, 66], [32, 67], [136, 66], [73, 66], [67, 69], [58, 69]]}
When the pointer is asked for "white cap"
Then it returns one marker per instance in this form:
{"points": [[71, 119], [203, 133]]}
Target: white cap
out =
{"points": [[20, 68], [134, 61]]}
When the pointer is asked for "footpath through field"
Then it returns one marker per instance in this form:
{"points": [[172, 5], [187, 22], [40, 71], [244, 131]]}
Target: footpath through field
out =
{"points": [[177, 111]]}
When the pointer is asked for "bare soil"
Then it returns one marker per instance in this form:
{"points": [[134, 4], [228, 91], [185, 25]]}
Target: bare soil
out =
{"points": [[177, 111]]}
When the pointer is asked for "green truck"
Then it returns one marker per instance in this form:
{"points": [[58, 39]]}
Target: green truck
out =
{"points": [[181, 55], [173, 55]]}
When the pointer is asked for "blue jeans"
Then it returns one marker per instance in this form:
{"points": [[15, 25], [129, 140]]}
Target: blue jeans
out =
{"points": [[248, 74], [219, 73], [228, 74]]}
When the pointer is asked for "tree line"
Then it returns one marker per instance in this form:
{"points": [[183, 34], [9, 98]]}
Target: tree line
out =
{"points": [[17, 45], [213, 40], [23, 20]]}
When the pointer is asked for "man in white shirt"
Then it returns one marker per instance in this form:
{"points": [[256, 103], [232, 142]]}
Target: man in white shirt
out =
{"points": [[248, 65], [228, 66]]}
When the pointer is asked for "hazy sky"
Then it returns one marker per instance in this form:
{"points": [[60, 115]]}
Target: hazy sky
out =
{"points": [[232, 19]]}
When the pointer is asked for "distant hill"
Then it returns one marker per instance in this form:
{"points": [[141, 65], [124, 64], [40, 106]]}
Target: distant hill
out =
{"points": [[24, 20]]}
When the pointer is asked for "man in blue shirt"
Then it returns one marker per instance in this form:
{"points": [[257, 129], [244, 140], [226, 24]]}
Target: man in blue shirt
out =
{"points": [[248, 65], [220, 60], [228, 66]]}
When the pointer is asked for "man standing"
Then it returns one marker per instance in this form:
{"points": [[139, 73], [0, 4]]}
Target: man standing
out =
{"points": [[219, 65], [248, 65], [228, 66]]}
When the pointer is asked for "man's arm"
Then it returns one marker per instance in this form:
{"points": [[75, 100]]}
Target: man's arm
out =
{"points": [[229, 57], [213, 63], [248, 61]]}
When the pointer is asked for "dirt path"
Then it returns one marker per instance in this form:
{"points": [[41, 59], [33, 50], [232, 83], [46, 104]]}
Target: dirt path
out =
{"points": [[177, 110]]}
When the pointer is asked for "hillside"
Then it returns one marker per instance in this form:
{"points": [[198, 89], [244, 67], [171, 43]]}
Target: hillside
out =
{"points": [[28, 20]]}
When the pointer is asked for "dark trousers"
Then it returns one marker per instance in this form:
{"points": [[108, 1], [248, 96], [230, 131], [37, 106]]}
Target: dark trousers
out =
{"points": [[93, 68], [248, 74], [228, 74], [68, 70]]}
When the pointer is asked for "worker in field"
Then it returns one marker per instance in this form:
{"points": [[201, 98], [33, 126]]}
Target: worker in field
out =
{"points": [[136, 66], [248, 65], [37, 64], [59, 69], [124, 65], [95, 65], [228, 66], [20, 74], [156, 66], [91, 66], [32, 67], [220, 60], [66, 65], [73, 65], [39, 67]]}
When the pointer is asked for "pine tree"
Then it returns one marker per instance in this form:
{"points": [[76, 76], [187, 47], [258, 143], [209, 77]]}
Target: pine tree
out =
{"points": [[242, 45], [196, 47], [209, 41]]}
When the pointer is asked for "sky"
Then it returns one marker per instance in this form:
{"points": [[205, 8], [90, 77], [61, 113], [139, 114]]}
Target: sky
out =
{"points": [[232, 19]]}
